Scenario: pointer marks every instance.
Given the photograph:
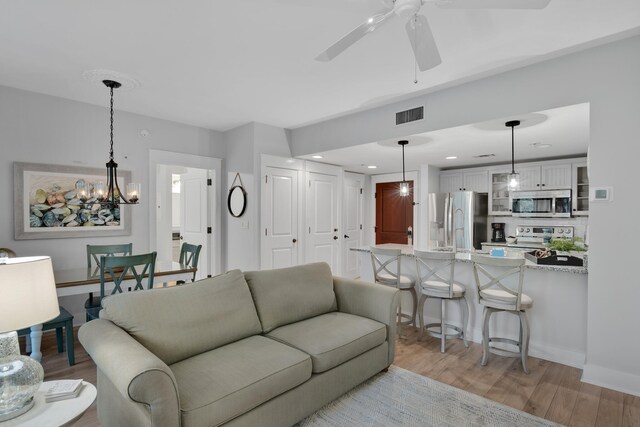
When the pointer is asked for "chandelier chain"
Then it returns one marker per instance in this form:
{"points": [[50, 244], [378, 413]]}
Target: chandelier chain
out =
{"points": [[111, 126]]}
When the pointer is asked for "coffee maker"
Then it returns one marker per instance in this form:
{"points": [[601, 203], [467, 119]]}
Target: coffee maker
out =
{"points": [[497, 235]]}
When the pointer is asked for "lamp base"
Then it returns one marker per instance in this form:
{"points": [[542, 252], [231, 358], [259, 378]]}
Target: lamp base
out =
{"points": [[20, 378], [16, 412]]}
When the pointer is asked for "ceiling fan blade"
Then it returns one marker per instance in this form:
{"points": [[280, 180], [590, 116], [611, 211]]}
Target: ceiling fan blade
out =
{"points": [[423, 44], [359, 32], [492, 4]]}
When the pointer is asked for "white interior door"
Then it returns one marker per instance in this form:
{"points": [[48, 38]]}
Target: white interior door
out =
{"points": [[323, 240], [194, 215], [279, 247], [352, 223]]}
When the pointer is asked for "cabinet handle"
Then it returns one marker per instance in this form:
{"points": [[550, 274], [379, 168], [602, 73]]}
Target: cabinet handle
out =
{"points": [[544, 185], [294, 240], [574, 209], [346, 237], [537, 185], [335, 237]]}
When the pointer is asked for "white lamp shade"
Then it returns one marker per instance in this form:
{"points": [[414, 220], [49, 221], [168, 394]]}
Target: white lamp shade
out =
{"points": [[27, 292]]}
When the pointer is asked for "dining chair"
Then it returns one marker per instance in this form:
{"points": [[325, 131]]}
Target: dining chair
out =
{"points": [[383, 261], [490, 274], [118, 269], [436, 272], [94, 253], [189, 255]]}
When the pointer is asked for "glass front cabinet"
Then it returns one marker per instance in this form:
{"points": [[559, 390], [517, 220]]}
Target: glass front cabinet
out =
{"points": [[580, 190], [499, 193]]}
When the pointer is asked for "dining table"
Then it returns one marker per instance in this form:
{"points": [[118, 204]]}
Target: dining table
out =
{"points": [[77, 281]]}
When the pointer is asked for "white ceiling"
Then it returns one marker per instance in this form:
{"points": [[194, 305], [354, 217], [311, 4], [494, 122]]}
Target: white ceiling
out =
{"points": [[565, 129], [219, 64]]}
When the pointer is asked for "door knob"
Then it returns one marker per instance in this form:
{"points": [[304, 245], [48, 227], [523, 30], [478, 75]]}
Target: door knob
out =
{"points": [[335, 237], [346, 237], [294, 240]]}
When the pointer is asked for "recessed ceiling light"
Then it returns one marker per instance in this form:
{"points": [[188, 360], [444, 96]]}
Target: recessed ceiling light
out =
{"points": [[451, 157], [372, 167], [317, 156], [289, 161], [540, 145]]}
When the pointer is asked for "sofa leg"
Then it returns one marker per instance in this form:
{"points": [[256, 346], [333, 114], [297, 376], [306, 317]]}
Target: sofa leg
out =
{"points": [[385, 369]]}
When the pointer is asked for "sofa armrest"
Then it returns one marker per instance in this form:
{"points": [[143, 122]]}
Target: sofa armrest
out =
{"points": [[369, 300], [138, 375]]}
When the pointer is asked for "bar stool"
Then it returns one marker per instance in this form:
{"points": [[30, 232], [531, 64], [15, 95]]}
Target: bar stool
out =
{"points": [[496, 297], [381, 258], [435, 272]]}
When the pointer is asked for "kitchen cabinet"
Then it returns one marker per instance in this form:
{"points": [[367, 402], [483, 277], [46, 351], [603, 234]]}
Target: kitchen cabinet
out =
{"points": [[545, 177], [464, 181], [499, 194], [450, 182], [580, 189]]}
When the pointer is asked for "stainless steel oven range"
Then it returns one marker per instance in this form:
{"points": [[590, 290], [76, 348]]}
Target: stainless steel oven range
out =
{"points": [[542, 234]]}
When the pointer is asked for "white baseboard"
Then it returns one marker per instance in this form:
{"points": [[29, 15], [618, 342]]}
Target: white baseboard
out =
{"points": [[610, 378], [560, 355]]}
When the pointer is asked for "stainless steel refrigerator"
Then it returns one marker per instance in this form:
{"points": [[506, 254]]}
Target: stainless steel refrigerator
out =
{"points": [[457, 220]]}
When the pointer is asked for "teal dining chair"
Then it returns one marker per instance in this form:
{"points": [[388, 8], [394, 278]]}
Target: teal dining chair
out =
{"points": [[94, 253], [189, 255], [118, 269]]}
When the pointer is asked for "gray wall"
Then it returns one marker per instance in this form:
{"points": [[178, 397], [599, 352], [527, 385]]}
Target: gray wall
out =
{"points": [[244, 146], [44, 129], [608, 78]]}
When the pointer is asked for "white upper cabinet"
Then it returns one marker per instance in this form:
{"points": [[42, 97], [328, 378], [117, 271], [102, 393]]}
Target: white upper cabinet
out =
{"points": [[450, 182], [476, 181], [529, 177], [556, 177], [545, 177], [468, 181]]}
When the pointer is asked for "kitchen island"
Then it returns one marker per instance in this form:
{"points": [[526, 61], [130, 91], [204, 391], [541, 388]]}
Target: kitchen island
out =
{"points": [[558, 317]]}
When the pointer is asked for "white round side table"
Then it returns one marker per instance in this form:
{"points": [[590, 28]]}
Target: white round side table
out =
{"points": [[54, 414]]}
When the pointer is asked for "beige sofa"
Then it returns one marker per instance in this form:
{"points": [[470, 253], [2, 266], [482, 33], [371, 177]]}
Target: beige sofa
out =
{"points": [[263, 348]]}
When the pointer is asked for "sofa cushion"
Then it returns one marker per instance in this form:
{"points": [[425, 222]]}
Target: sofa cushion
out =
{"points": [[182, 321], [332, 339], [217, 386], [287, 295]]}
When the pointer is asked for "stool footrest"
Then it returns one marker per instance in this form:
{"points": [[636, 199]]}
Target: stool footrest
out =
{"points": [[438, 334], [503, 352]]}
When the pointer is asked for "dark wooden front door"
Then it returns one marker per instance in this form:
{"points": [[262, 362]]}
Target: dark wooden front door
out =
{"points": [[394, 213]]}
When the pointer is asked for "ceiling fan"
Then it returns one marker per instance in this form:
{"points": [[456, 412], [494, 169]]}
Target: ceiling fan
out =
{"points": [[417, 27]]}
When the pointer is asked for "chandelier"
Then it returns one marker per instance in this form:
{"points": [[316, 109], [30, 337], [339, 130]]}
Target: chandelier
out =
{"points": [[109, 194]]}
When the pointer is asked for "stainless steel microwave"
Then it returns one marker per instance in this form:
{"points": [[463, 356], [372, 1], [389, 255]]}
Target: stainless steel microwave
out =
{"points": [[541, 204]]}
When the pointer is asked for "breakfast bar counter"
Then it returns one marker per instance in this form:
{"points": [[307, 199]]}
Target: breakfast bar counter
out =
{"points": [[558, 317]]}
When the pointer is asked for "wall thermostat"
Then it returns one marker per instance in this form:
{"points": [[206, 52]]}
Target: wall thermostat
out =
{"points": [[601, 194]]}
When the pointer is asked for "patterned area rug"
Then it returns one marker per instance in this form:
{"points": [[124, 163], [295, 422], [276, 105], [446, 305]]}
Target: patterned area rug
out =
{"points": [[402, 398]]}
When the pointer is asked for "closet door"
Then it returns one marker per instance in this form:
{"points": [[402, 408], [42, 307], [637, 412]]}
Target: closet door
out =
{"points": [[279, 247], [323, 240], [352, 218]]}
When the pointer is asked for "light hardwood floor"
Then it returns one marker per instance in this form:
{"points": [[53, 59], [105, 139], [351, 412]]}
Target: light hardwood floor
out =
{"points": [[550, 391]]}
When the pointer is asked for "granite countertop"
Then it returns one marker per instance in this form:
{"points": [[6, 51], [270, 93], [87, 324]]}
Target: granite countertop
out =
{"points": [[464, 255]]}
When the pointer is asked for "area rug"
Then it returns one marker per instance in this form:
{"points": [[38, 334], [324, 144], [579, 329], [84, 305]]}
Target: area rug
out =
{"points": [[401, 398]]}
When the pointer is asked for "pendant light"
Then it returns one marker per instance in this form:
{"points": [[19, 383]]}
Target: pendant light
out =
{"points": [[109, 194], [404, 185], [514, 178]]}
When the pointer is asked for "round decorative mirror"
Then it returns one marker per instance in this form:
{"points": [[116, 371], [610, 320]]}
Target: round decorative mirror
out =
{"points": [[237, 201]]}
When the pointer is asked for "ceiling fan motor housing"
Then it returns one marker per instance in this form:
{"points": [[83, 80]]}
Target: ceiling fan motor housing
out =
{"points": [[407, 8]]}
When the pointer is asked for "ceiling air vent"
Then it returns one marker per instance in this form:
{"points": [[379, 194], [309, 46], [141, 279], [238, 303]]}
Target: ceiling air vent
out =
{"points": [[409, 116], [482, 156]]}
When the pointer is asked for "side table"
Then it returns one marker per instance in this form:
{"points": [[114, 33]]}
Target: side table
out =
{"points": [[60, 413]]}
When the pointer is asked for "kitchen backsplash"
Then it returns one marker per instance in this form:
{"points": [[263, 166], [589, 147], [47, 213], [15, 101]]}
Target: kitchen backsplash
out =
{"points": [[579, 224]]}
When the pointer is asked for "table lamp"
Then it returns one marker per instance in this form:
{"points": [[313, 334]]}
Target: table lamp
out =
{"points": [[27, 297]]}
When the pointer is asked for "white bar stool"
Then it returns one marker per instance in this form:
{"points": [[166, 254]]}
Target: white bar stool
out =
{"points": [[383, 273], [496, 297], [435, 272]]}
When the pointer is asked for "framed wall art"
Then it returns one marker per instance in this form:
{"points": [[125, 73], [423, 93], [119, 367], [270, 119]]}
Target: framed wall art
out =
{"points": [[56, 201]]}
